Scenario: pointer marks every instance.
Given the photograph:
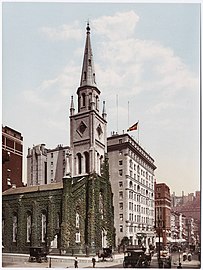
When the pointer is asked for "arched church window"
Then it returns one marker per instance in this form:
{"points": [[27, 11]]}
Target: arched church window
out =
{"points": [[44, 226], [85, 75], [90, 100], [58, 221], [97, 103], [101, 161], [77, 220], [79, 157], [83, 100], [101, 204], [94, 77], [29, 226], [15, 223], [87, 162]]}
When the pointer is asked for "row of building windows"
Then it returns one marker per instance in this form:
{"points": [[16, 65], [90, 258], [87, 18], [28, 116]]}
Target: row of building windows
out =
{"points": [[140, 160], [138, 198], [135, 228], [139, 208], [43, 226], [140, 219], [137, 168]]}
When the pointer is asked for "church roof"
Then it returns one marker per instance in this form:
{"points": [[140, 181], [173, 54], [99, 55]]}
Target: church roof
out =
{"points": [[88, 71], [29, 189]]}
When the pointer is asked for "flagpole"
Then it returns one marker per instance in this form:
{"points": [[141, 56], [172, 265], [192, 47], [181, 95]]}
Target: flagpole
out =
{"points": [[138, 131], [117, 110], [128, 113]]}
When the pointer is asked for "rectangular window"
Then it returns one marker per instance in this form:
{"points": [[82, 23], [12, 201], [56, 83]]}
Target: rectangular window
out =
{"points": [[121, 206], [120, 141], [121, 228], [120, 172], [120, 184], [121, 217], [121, 195], [8, 181], [120, 162], [77, 237], [52, 155]]}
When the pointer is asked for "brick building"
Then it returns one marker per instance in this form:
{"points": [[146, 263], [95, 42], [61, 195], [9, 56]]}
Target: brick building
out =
{"points": [[12, 158], [162, 211]]}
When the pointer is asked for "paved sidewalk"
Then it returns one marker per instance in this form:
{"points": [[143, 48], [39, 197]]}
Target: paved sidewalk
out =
{"points": [[21, 261]]}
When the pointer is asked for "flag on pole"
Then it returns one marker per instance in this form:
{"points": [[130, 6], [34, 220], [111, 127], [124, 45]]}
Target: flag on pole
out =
{"points": [[133, 127]]}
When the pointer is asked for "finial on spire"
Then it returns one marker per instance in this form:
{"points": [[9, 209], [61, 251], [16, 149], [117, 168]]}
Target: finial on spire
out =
{"points": [[88, 27]]}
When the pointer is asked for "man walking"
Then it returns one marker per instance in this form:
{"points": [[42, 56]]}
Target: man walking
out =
{"points": [[76, 262]]}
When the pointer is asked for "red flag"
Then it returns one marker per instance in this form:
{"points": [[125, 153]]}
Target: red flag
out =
{"points": [[133, 127]]}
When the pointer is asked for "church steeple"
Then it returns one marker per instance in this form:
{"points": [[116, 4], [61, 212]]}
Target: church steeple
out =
{"points": [[88, 72], [87, 127]]}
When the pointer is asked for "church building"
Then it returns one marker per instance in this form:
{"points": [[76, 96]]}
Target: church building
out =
{"points": [[76, 215]]}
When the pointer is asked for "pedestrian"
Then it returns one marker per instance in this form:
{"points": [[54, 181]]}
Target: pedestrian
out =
{"points": [[76, 262], [179, 266], [93, 262]]}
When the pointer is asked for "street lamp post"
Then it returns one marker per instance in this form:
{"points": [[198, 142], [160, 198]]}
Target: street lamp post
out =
{"points": [[160, 228]]}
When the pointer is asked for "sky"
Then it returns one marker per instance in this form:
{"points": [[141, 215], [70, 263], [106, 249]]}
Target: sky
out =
{"points": [[147, 65]]}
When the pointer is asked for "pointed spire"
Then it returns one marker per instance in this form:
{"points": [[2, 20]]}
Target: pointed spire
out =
{"points": [[88, 72], [104, 111], [72, 109]]}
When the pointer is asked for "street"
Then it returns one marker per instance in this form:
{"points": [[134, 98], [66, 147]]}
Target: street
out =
{"points": [[64, 262]]}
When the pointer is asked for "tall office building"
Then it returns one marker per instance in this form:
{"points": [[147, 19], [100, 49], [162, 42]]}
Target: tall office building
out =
{"points": [[131, 171]]}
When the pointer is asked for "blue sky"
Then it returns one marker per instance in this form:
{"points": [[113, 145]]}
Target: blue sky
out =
{"points": [[145, 54]]}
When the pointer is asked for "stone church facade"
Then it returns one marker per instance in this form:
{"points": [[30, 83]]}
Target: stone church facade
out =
{"points": [[74, 216]]}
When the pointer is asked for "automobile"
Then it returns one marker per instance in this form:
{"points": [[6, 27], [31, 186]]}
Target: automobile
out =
{"points": [[136, 258]]}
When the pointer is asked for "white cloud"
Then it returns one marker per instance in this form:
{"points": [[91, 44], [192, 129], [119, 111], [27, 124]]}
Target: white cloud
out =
{"points": [[63, 32], [119, 26], [132, 68]]}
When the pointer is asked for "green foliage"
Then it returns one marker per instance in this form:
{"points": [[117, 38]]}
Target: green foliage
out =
{"points": [[81, 195]]}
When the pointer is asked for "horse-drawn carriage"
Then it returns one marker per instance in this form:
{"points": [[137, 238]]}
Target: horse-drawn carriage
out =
{"points": [[37, 254], [105, 253]]}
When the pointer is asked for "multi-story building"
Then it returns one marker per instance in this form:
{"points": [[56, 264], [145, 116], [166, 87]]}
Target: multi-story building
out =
{"points": [[191, 208], [132, 178], [45, 166], [37, 165], [12, 158], [163, 211]]}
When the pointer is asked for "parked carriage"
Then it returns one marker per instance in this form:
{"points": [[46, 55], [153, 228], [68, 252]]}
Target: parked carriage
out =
{"points": [[37, 254], [106, 253]]}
